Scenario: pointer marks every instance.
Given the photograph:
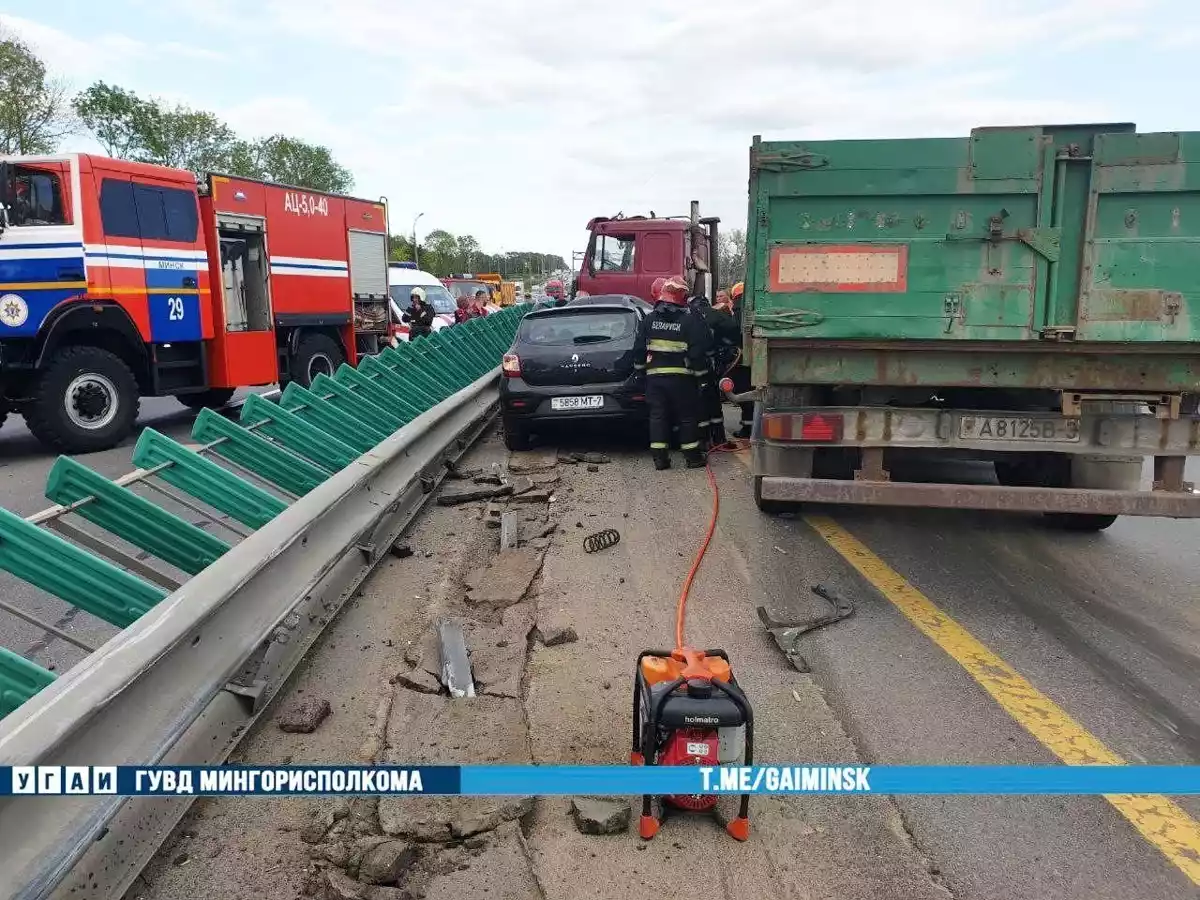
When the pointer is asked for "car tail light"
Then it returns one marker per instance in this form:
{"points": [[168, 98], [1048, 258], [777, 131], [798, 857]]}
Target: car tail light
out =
{"points": [[640, 398], [511, 365], [808, 427]]}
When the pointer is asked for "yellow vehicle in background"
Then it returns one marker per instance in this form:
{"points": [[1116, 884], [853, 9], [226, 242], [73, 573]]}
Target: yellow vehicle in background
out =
{"points": [[506, 291]]}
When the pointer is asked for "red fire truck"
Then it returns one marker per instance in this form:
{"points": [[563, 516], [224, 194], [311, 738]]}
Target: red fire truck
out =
{"points": [[120, 280]]}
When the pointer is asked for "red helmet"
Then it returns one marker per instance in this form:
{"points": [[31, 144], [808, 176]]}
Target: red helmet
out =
{"points": [[554, 288], [656, 289], [675, 289]]}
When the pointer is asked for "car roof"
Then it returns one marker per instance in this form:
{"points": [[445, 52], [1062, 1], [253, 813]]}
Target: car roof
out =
{"points": [[611, 300], [582, 307], [398, 276]]}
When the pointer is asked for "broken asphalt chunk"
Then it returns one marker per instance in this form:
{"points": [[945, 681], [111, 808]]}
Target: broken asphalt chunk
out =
{"points": [[593, 816], [304, 716], [453, 496]]}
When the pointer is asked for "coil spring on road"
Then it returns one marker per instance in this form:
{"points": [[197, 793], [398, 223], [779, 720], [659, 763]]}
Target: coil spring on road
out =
{"points": [[601, 540]]}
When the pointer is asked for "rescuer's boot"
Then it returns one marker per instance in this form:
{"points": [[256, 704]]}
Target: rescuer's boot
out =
{"points": [[662, 460], [694, 458]]}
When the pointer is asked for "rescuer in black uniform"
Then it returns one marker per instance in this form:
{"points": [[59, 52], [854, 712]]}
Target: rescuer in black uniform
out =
{"points": [[419, 316], [673, 340], [724, 339], [741, 372]]}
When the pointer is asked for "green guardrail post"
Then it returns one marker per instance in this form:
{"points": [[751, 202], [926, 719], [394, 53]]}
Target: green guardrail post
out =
{"points": [[299, 436], [132, 517], [20, 679], [205, 480], [257, 454], [60, 568]]}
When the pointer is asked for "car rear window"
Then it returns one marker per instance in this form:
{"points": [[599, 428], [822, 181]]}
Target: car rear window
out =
{"points": [[582, 328]]}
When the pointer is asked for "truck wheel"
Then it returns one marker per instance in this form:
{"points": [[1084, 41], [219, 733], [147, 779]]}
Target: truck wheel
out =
{"points": [[85, 400], [1078, 521], [318, 354], [516, 437], [213, 398], [1105, 474], [770, 507]]}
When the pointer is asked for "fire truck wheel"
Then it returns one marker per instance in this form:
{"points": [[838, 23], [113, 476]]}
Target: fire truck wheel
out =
{"points": [[86, 399], [318, 354], [213, 398]]}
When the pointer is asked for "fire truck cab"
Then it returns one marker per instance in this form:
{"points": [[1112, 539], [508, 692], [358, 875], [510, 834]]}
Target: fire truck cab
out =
{"points": [[120, 280]]}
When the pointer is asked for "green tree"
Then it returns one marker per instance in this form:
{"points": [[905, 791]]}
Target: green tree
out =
{"points": [[121, 121], [185, 138], [400, 248], [34, 112], [731, 257], [287, 160]]}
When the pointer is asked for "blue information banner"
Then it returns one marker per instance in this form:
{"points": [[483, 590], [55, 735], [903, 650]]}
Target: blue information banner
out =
{"points": [[238, 780]]}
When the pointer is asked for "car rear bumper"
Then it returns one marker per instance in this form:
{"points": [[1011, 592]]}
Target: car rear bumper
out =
{"points": [[520, 401]]}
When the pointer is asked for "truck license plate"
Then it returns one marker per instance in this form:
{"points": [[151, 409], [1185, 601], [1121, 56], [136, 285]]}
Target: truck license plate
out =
{"points": [[1018, 429], [594, 402]]}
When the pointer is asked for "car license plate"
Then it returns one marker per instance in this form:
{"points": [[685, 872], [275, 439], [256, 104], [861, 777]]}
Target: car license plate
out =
{"points": [[559, 403], [1018, 429]]}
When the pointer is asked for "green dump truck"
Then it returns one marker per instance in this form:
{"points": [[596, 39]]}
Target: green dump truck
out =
{"points": [[1028, 297]]}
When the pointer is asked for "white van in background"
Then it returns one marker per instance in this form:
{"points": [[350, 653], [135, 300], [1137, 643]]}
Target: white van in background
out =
{"points": [[401, 280]]}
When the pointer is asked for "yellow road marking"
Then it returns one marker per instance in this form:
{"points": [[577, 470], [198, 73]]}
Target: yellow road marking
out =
{"points": [[1160, 820]]}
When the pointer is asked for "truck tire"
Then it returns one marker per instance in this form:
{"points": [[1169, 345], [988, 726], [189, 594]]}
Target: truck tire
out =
{"points": [[770, 507], [1107, 474], [213, 398], [85, 400], [516, 437], [317, 354]]}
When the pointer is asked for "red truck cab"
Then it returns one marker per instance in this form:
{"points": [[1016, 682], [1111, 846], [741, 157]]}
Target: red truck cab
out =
{"points": [[626, 254]]}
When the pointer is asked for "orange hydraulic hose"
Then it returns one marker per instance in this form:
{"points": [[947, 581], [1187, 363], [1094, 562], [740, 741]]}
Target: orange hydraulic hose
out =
{"points": [[681, 609]]}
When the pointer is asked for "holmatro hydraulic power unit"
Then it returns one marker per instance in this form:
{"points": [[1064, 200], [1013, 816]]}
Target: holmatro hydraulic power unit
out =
{"points": [[689, 711]]}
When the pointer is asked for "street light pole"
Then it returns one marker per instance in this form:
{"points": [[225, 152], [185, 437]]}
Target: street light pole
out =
{"points": [[416, 252]]}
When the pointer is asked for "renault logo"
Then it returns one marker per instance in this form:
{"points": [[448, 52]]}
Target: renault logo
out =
{"points": [[574, 357]]}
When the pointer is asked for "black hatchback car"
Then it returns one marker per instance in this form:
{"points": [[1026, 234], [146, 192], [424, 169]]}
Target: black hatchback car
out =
{"points": [[570, 363]]}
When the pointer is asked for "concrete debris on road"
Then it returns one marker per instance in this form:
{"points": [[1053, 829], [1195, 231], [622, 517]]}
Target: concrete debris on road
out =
{"points": [[529, 461], [553, 635], [521, 484], [596, 816], [533, 496], [492, 513], [304, 716], [454, 496], [498, 654], [505, 580], [490, 478], [455, 662], [542, 479], [387, 862]]}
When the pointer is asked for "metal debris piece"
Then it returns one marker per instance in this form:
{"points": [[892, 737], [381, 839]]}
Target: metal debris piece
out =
{"points": [[509, 530], [601, 540], [456, 663], [787, 634]]}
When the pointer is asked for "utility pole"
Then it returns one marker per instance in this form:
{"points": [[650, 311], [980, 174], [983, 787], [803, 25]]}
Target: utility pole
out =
{"points": [[416, 252]]}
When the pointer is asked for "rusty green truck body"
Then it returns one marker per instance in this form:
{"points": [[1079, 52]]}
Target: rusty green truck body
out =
{"points": [[919, 294]]}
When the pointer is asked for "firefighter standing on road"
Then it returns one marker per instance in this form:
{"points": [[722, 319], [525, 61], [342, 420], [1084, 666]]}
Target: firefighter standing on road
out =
{"points": [[740, 374], [673, 341], [724, 340]]}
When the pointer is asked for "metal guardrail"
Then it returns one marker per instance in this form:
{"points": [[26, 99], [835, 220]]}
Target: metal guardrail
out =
{"points": [[194, 669]]}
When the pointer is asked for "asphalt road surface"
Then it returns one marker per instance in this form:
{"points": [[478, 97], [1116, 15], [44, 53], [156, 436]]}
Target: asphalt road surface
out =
{"points": [[24, 465]]}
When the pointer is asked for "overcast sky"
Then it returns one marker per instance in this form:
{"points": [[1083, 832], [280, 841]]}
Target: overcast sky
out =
{"points": [[517, 120]]}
